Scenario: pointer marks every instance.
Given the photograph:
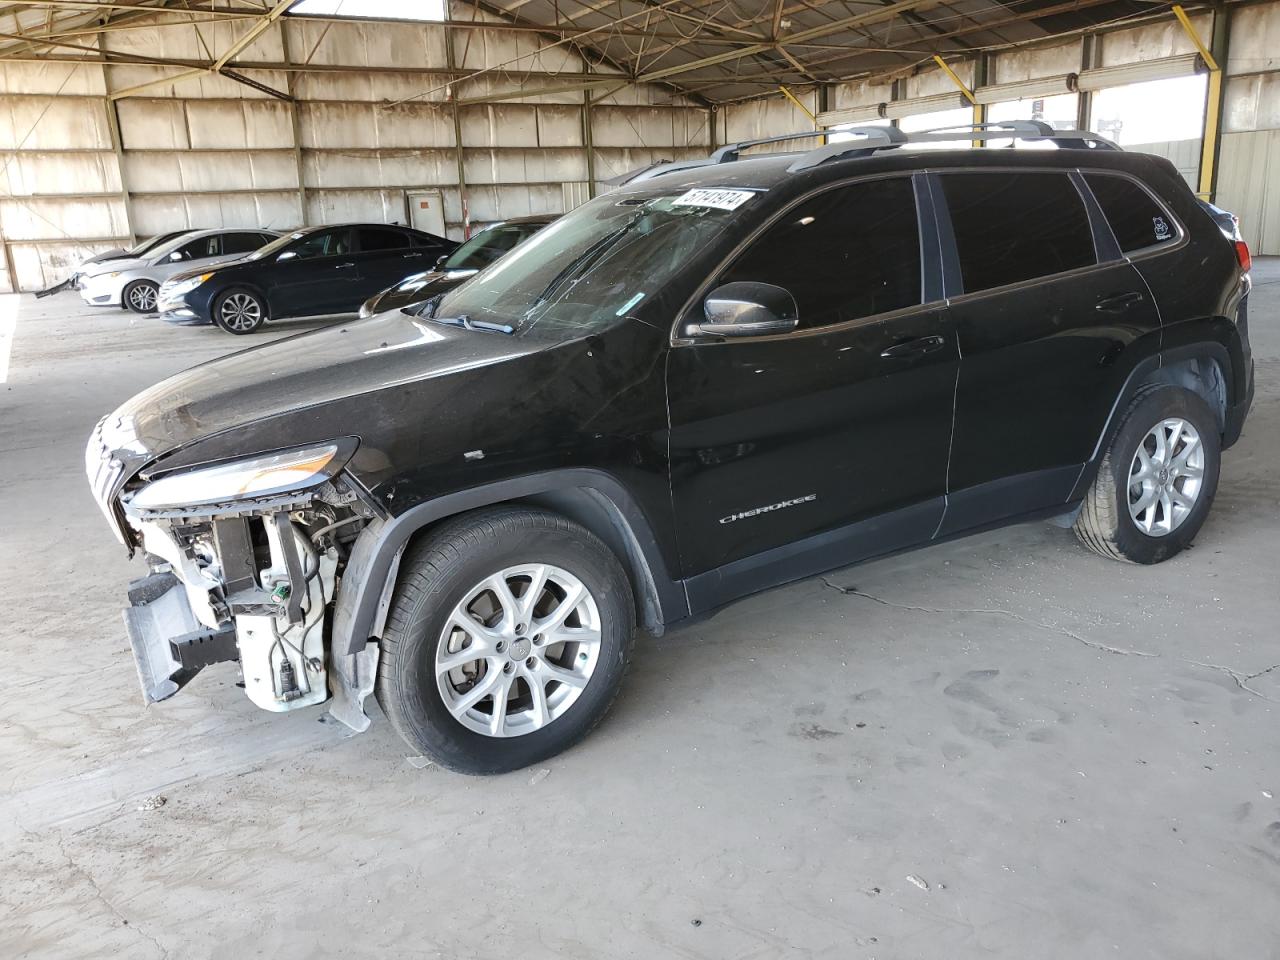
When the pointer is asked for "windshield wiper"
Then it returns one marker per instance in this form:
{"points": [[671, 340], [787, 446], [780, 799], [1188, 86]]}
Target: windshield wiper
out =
{"points": [[579, 264], [462, 320]]}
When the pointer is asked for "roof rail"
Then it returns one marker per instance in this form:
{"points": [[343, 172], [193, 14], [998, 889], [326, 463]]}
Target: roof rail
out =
{"points": [[729, 152], [869, 140]]}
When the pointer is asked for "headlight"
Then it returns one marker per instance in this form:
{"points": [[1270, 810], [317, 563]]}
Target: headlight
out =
{"points": [[184, 286], [284, 472]]}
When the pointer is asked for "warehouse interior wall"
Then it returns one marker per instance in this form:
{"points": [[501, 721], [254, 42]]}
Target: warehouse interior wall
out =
{"points": [[90, 163]]}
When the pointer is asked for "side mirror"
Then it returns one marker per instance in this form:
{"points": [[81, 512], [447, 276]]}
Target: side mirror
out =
{"points": [[175, 256], [441, 259], [287, 255], [747, 309]]}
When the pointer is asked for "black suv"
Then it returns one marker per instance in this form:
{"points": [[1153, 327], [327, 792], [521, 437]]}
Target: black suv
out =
{"points": [[312, 272], [715, 380]]}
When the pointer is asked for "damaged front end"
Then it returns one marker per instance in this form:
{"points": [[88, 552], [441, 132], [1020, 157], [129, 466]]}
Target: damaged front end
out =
{"points": [[245, 560]]}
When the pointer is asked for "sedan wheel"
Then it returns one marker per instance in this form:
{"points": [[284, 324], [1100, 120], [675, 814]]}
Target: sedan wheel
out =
{"points": [[239, 311], [141, 297], [1165, 477]]}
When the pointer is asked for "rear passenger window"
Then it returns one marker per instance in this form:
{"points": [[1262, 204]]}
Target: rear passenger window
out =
{"points": [[844, 254], [373, 238], [241, 242], [1136, 219], [1011, 227]]}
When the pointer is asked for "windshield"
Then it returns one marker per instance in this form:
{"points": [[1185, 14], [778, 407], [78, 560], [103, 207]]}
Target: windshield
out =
{"points": [[276, 245], [154, 242], [594, 265], [488, 245]]}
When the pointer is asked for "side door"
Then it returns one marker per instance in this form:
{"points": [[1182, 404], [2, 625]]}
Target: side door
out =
{"points": [[316, 274], [799, 452], [385, 256], [1049, 316]]}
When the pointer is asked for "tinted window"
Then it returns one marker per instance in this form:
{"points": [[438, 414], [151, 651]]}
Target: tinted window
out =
{"points": [[241, 242], [1136, 219], [844, 254], [1016, 226], [487, 246], [372, 238], [323, 243]]}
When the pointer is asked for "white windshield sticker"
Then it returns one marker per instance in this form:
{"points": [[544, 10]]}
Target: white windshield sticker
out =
{"points": [[719, 199]]}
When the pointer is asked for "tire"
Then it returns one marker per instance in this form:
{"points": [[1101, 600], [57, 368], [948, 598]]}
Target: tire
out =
{"points": [[239, 311], [1164, 524], [140, 296], [434, 708]]}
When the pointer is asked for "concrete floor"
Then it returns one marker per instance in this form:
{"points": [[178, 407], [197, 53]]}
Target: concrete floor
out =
{"points": [[1002, 746]]}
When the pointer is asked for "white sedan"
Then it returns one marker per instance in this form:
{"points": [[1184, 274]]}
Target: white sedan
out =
{"points": [[135, 282]]}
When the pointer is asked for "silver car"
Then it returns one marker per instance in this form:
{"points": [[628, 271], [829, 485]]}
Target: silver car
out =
{"points": [[135, 282]]}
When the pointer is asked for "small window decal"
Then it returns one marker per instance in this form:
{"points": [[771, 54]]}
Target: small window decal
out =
{"points": [[717, 199], [1161, 228]]}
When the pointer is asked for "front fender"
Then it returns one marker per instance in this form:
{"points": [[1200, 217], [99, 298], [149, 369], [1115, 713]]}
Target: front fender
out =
{"points": [[369, 579]]}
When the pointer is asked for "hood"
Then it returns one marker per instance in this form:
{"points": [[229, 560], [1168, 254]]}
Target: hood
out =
{"points": [[115, 264], [108, 255], [390, 351]]}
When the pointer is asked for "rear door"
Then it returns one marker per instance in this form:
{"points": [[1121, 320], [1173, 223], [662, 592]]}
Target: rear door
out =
{"points": [[385, 256], [316, 274], [781, 444], [1045, 309]]}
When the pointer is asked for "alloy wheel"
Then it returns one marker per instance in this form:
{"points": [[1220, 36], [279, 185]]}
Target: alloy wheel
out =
{"points": [[1165, 477], [240, 311], [518, 650], [142, 297]]}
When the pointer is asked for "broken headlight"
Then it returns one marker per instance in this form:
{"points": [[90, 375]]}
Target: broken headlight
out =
{"points": [[277, 473]]}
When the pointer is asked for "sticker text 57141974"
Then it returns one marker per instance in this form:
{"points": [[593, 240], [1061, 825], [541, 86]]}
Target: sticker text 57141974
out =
{"points": [[719, 199]]}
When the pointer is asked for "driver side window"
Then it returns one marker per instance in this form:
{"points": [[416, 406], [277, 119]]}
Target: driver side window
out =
{"points": [[843, 254], [324, 243]]}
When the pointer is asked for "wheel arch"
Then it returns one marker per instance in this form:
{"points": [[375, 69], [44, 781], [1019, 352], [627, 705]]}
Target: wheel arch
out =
{"points": [[1203, 368], [592, 498]]}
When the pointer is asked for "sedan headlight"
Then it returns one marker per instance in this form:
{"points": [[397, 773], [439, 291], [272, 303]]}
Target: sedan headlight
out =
{"points": [[176, 289], [285, 472]]}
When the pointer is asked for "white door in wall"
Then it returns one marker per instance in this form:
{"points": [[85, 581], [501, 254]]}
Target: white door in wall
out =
{"points": [[426, 211]]}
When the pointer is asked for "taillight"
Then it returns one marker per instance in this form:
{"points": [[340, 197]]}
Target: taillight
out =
{"points": [[1242, 254]]}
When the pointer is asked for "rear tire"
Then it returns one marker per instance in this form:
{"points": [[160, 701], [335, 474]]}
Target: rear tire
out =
{"points": [[1157, 480], [239, 311], [482, 713], [141, 296]]}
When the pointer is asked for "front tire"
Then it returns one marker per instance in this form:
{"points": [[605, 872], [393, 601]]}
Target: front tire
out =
{"points": [[239, 311], [141, 296], [509, 633], [1157, 480]]}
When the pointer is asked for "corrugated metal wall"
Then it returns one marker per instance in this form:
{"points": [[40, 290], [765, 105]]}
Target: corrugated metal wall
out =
{"points": [[209, 151]]}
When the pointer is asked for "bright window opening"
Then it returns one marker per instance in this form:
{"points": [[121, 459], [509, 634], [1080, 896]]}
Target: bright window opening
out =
{"points": [[959, 117], [842, 137], [377, 9], [1059, 112], [1164, 117]]}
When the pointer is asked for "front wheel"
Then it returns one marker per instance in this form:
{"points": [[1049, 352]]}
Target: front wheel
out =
{"points": [[1157, 480], [239, 311], [140, 296], [507, 640]]}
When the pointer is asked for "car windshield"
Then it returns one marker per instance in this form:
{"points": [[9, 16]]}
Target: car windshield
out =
{"points": [[488, 245], [148, 245], [594, 265], [276, 245]]}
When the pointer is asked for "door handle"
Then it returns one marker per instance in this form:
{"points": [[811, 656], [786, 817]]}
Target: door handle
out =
{"points": [[343, 266], [913, 348], [409, 256], [1118, 303]]}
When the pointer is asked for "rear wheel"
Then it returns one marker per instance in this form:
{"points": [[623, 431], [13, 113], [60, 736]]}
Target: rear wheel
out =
{"points": [[239, 311], [140, 296], [1157, 481], [508, 637]]}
